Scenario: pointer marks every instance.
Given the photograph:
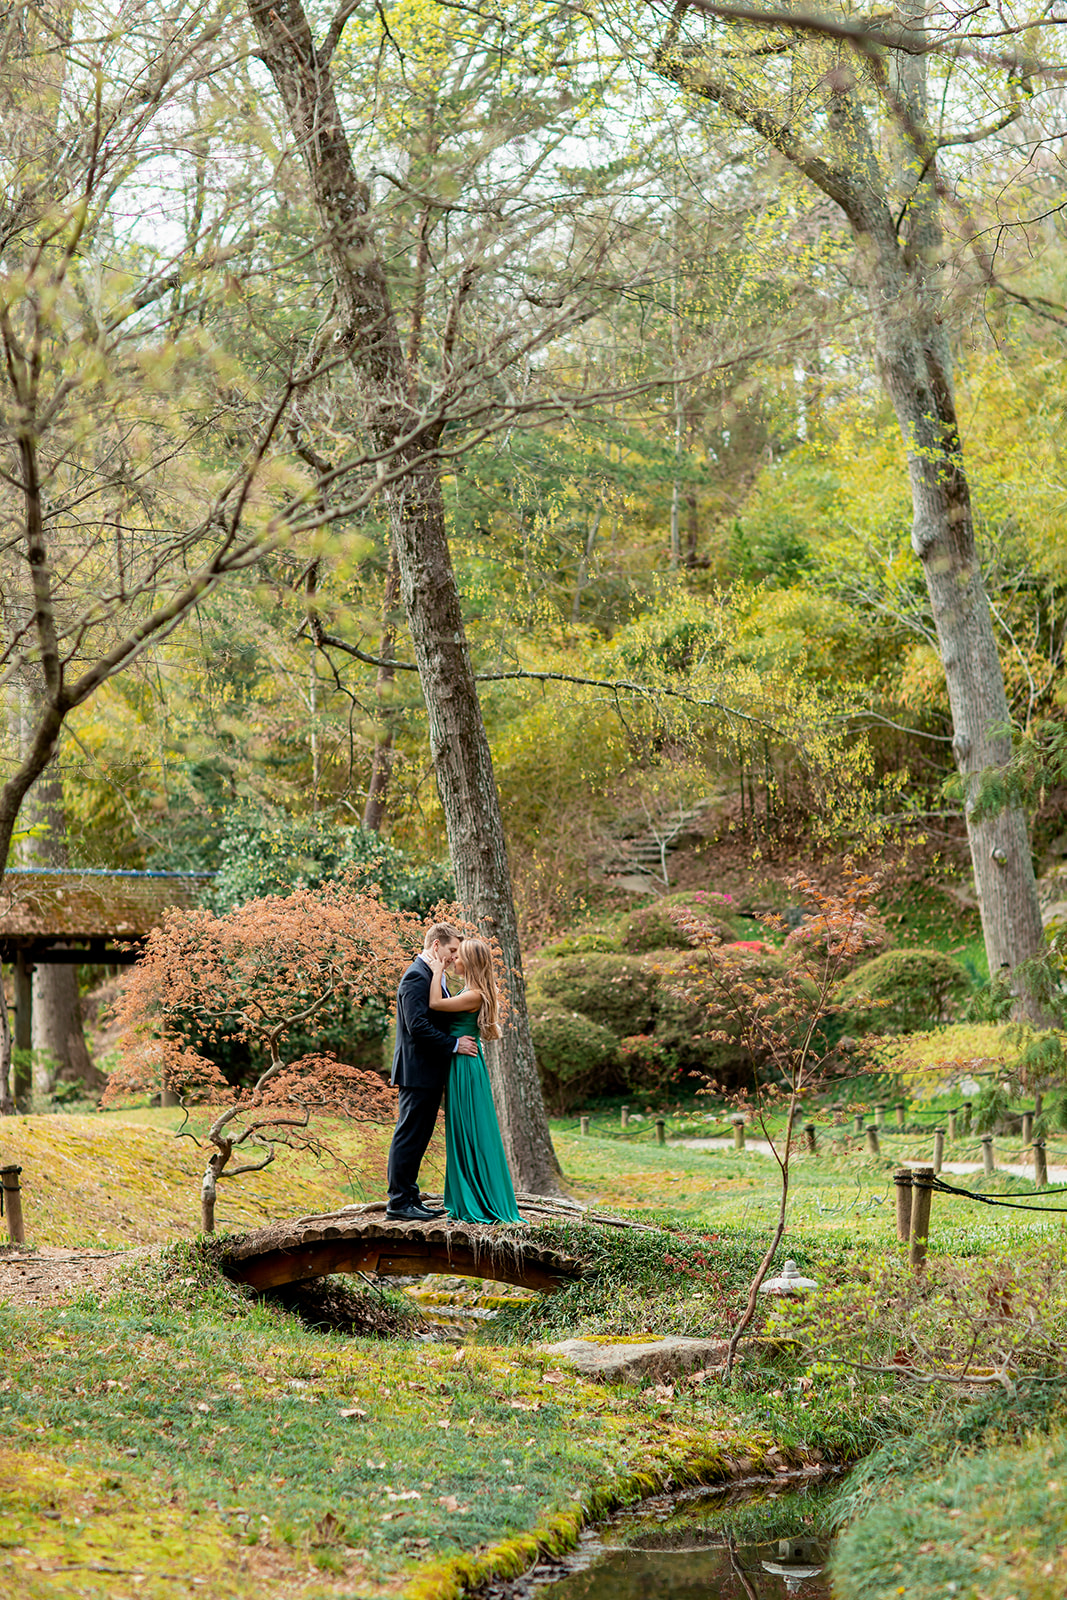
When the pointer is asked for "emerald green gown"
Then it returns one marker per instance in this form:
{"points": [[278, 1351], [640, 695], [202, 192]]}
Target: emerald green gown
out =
{"points": [[478, 1185]]}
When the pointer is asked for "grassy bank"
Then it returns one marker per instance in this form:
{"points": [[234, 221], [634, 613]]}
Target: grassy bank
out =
{"points": [[180, 1431], [177, 1432]]}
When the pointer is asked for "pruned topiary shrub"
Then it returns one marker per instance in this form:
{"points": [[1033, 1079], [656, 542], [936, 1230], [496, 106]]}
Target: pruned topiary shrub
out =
{"points": [[582, 944], [648, 1064], [612, 990], [902, 991], [654, 928], [576, 1057]]}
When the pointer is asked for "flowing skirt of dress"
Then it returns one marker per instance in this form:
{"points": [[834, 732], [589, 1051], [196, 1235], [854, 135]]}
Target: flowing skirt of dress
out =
{"points": [[478, 1186]]}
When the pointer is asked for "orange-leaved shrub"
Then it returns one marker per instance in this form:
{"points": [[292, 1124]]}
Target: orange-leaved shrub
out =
{"points": [[260, 973]]}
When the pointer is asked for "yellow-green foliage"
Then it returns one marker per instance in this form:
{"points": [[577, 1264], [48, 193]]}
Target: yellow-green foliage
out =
{"points": [[901, 989], [926, 1062]]}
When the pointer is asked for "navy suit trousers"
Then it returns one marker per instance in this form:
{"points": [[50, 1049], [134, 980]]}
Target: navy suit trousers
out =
{"points": [[416, 1118]]}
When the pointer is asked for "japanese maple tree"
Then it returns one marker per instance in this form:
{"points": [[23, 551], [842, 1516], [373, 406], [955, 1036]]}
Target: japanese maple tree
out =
{"points": [[260, 973], [776, 1013]]}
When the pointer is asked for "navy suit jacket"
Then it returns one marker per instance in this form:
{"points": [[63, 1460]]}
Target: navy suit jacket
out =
{"points": [[423, 1048]]}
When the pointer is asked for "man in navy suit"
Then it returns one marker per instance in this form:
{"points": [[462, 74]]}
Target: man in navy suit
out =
{"points": [[421, 1061]]}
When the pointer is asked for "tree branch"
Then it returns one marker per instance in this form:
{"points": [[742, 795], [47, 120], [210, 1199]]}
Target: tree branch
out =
{"points": [[326, 641]]}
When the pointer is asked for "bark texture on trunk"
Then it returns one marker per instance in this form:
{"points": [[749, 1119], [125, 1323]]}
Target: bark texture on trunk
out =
{"points": [[899, 257], [7, 1087], [57, 1036], [60, 1052], [382, 764], [367, 331]]}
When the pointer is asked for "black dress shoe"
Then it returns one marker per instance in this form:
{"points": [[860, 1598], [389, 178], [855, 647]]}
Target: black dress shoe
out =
{"points": [[410, 1214]]}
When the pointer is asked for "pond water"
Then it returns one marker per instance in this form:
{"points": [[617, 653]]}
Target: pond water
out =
{"points": [[698, 1547]]}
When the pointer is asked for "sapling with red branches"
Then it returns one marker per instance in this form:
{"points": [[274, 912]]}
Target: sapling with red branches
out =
{"points": [[776, 1014], [258, 974]]}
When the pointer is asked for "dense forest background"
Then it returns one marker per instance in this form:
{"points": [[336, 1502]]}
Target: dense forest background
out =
{"points": [[638, 348]]}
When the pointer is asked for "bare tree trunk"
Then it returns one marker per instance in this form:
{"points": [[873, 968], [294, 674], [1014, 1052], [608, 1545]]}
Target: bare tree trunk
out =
{"points": [[692, 529], [7, 1091], [367, 331], [58, 1038], [382, 765], [899, 261], [584, 562]]}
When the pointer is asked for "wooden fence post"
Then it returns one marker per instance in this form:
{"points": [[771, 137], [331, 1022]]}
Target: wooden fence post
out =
{"points": [[585, 1124], [858, 1119], [900, 1117], [872, 1141], [661, 1131], [939, 1148], [624, 1115], [952, 1127], [9, 1186], [809, 1135], [739, 1132], [988, 1164], [1040, 1164], [922, 1192], [902, 1179]]}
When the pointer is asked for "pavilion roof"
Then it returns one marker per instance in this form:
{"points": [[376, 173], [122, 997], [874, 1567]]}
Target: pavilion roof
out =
{"points": [[52, 903]]}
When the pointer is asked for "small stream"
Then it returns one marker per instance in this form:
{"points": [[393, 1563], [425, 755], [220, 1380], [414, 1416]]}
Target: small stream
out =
{"points": [[696, 1546]]}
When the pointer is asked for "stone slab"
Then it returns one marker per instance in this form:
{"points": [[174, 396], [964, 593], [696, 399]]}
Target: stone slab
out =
{"points": [[639, 1361]]}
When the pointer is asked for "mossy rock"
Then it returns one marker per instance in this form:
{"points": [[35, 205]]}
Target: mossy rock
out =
{"points": [[613, 990], [576, 1057], [653, 927], [902, 991]]}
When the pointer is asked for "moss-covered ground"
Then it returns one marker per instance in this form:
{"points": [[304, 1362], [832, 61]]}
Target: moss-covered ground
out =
{"points": [[174, 1434]]}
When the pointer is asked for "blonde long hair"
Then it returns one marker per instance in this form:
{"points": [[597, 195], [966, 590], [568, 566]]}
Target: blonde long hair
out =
{"points": [[477, 961]]}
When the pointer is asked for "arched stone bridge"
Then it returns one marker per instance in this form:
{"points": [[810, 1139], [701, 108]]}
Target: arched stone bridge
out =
{"points": [[362, 1239]]}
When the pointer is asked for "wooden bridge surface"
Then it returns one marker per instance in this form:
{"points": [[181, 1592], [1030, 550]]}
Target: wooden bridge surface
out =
{"points": [[362, 1239]]}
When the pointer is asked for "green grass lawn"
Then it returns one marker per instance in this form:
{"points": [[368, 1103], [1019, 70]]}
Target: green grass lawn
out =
{"points": [[178, 1434]]}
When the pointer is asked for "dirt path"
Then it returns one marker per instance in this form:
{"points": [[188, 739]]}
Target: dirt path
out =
{"points": [[48, 1276]]}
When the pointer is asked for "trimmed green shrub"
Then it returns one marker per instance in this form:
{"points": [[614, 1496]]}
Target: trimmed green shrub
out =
{"points": [[902, 991], [612, 990], [582, 944], [576, 1058], [683, 1020], [653, 927], [648, 1064]]}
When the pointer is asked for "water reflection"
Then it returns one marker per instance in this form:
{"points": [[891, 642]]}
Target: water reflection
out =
{"points": [[705, 1550]]}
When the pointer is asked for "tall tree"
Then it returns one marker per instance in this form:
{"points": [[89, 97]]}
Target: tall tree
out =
{"points": [[846, 105], [365, 325], [141, 459]]}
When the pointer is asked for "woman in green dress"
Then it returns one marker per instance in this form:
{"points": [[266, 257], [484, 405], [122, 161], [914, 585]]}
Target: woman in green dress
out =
{"points": [[478, 1185]]}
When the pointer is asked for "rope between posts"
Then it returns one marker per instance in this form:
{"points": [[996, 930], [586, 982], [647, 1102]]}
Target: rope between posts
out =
{"points": [[940, 1187]]}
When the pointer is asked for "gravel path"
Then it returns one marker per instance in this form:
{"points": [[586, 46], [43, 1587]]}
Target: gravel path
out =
{"points": [[49, 1276]]}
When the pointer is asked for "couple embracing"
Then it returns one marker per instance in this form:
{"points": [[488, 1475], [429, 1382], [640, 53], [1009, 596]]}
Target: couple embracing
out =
{"points": [[445, 1005]]}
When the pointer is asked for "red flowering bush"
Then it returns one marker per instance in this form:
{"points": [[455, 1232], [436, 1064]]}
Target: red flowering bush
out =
{"points": [[259, 973]]}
